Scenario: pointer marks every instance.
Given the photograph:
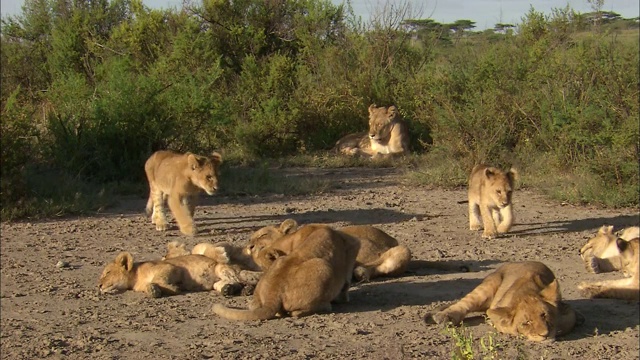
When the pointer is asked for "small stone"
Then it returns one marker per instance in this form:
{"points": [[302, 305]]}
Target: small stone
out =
{"points": [[62, 264]]}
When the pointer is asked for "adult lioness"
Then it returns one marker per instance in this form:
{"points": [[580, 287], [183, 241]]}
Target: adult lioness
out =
{"points": [[169, 277], [179, 178], [601, 253], [521, 298], [388, 135], [303, 282], [628, 288], [490, 191], [379, 254]]}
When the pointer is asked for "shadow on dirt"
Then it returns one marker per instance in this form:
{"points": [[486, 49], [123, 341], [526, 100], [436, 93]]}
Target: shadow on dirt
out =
{"points": [[429, 267], [603, 316], [578, 225]]}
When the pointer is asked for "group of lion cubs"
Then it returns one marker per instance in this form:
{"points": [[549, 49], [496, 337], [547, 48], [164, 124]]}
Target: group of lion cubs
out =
{"points": [[301, 270]]}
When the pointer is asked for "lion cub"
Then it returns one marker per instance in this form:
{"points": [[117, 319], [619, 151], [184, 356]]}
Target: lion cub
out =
{"points": [[379, 254], [388, 135], [179, 178], [601, 253], [169, 277], [304, 282], [490, 191], [521, 298], [628, 288]]}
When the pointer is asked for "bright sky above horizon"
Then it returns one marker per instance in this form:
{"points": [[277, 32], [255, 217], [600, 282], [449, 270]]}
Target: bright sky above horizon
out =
{"points": [[486, 13]]}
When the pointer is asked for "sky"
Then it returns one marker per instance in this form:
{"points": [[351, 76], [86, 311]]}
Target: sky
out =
{"points": [[486, 13]]}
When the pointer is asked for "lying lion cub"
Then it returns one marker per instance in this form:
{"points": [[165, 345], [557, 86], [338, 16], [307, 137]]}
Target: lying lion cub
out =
{"points": [[379, 255], [179, 178], [601, 254], [169, 277], [521, 298], [490, 191], [628, 288], [388, 135], [305, 281]]}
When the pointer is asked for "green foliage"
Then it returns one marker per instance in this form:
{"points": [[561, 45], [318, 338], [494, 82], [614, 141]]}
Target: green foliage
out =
{"points": [[91, 88], [465, 348]]}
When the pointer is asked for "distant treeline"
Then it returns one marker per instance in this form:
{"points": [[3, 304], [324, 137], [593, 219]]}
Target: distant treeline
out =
{"points": [[90, 88]]}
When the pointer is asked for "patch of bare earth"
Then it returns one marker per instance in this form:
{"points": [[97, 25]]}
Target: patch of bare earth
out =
{"points": [[51, 311]]}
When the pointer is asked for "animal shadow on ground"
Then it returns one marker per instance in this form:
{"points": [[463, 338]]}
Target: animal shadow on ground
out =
{"points": [[603, 316], [578, 225], [389, 295], [428, 267]]}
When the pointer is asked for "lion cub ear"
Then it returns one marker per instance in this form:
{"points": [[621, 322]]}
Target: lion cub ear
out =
{"points": [[502, 317], [622, 244], [125, 260], [512, 174], [551, 293], [489, 173], [288, 226], [216, 158], [192, 161]]}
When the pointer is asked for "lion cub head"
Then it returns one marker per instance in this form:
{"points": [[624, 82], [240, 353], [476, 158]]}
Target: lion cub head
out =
{"points": [[117, 276], [498, 185], [532, 315], [267, 235], [380, 121], [204, 171], [630, 254]]}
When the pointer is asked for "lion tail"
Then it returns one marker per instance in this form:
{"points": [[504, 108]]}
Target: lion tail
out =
{"points": [[261, 313]]}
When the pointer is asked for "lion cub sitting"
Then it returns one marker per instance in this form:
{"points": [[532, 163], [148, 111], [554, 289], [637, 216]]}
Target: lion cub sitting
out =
{"points": [[521, 298], [601, 253], [490, 191], [179, 178], [379, 254], [628, 288], [168, 277], [388, 135], [304, 282]]}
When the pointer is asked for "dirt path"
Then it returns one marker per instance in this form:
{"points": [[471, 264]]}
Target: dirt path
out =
{"points": [[53, 312]]}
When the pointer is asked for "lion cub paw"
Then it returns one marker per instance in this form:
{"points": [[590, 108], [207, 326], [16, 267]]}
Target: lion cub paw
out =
{"points": [[361, 273], [589, 290], [229, 290], [161, 225], [189, 229], [154, 291], [592, 265], [443, 317], [248, 289], [489, 235], [475, 227]]}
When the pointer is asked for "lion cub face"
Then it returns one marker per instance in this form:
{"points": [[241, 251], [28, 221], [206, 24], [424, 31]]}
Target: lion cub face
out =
{"points": [[630, 253], [499, 186], [204, 171], [116, 276], [267, 235], [379, 120]]}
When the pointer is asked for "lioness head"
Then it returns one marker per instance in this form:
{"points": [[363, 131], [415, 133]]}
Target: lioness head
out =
{"points": [[379, 120], [116, 276], [533, 316], [204, 171], [499, 185], [267, 235]]}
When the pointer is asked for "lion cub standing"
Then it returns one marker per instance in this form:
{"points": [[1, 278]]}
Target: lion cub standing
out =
{"points": [[304, 282], [490, 191], [520, 298], [179, 178], [169, 277], [388, 135]]}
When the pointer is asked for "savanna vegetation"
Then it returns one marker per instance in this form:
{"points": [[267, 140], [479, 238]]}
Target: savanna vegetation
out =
{"points": [[90, 88]]}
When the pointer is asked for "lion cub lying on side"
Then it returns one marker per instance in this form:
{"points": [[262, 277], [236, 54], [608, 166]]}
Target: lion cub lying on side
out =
{"points": [[316, 272], [521, 298], [628, 288], [379, 254], [490, 191], [601, 253], [179, 178], [168, 277]]}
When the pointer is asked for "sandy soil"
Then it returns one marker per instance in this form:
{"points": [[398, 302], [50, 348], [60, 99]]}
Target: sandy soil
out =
{"points": [[56, 312]]}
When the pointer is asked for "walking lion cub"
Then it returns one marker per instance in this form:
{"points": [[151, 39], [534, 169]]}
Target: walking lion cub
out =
{"points": [[316, 272], [521, 298], [490, 191], [179, 178]]}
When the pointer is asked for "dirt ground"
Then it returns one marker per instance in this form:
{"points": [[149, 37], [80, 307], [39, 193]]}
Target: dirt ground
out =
{"points": [[53, 311]]}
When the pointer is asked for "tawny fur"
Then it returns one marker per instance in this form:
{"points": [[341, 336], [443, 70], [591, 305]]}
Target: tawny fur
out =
{"points": [[521, 298], [379, 255], [627, 288], [388, 135], [179, 179], [601, 254], [490, 207], [305, 281], [168, 277]]}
